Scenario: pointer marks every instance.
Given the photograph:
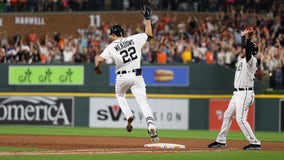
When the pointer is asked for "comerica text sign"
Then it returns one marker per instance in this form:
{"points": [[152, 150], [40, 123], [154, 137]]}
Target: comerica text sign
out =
{"points": [[37, 110], [46, 75]]}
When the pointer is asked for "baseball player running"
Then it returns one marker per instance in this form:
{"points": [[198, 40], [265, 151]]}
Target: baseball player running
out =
{"points": [[126, 53], [243, 95]]}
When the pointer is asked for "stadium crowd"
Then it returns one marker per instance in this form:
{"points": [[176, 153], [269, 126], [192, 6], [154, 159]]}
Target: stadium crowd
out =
{"points": [[247, 6], [215, 39]]}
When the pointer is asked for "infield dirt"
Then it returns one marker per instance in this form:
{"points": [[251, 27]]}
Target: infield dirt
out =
{"points": [[111, 145]]}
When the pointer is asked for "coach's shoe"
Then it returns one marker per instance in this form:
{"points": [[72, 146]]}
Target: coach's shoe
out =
{"points": [[252, 147], [129, 126], [217, 145], [154, 135]]}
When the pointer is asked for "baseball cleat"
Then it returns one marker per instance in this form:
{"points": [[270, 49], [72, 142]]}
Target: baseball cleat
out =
{"points": [[154, 135], [217, 145], [252, 147], [129, 126]]}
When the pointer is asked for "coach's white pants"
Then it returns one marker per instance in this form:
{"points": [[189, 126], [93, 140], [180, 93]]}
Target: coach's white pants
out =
{"points": [[124, 82], [239, 107]]}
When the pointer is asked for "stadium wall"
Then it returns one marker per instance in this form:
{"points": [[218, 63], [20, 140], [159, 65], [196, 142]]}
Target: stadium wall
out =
{"points": [[72, 23], [195, 99]]}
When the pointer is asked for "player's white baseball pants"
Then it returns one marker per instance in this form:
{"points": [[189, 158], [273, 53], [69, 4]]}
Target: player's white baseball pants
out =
{"points": [[239, 107], [124, 82]]}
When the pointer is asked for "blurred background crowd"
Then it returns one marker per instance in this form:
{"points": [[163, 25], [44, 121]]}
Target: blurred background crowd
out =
{"points": [[248, 6], [213, 39]]}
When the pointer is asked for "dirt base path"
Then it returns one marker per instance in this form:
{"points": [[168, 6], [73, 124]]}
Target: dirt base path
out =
{"points": [[112, 145]]}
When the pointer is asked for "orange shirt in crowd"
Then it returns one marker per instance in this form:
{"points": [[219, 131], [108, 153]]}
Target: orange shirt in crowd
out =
{"points": [[209, 57], [61, 44], [43, 58], [161, 58], [33, 37]]}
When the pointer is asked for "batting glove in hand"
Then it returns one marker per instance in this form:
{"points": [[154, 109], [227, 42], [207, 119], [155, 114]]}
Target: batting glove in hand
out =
{"points": [[146, 12], [98, 70]]}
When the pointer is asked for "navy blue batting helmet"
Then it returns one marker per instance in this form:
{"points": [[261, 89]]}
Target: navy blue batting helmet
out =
{"points": [[117, 30]]}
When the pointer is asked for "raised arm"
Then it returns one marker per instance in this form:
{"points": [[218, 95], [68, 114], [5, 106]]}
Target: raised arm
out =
{"points": [[148, 26], [246, 43]]}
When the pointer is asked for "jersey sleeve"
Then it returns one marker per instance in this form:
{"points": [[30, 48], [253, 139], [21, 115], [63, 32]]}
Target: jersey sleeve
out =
{"points": [[252, 62], [106, 54], [142, 38]]}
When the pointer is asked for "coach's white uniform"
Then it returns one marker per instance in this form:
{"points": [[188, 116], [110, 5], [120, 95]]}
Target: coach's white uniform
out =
{"points": [[126, 53], [243, 97]]}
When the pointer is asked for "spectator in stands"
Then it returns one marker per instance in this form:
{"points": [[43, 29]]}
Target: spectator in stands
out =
{"points": [[68, 54], [162, 56], [43, 50], [32, 5], [201, 50], [78, 58], [35, 55], [173, 56], [23, 55], [39, 5], [145, 52], [64, 5], [92, 52], [56, 56], [187, 54], [210, 56], [17, 39], [278, 77], [4, 39], [33, 37], [2, 56], [183, 5], [181, 27], [11, 54], [83, 47], [48, 5]]}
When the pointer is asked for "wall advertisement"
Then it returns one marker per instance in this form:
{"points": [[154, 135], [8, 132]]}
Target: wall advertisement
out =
{"points": [[160, 75], [37, 110], [46, 75], [217, 108], [168, 113]]}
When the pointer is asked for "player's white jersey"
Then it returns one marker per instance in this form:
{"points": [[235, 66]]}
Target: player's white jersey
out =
{"points": [[245, 73], [126, 52]]}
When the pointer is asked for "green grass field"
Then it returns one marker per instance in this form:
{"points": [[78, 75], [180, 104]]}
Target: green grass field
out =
{"points": [[240, 155], [197, 134]]}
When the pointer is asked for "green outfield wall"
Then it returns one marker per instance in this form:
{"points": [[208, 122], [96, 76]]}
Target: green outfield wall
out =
{"points": [[202, 85]]}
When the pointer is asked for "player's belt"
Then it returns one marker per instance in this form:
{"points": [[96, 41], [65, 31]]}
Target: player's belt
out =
{"points": [[243, 89], [137, 71]]}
